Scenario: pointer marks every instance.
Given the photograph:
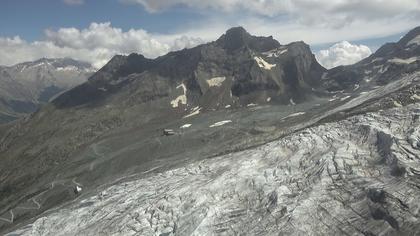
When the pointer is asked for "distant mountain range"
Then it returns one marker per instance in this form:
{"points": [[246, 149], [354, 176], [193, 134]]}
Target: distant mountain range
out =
{"points": [[240, 136], [25, 86]]}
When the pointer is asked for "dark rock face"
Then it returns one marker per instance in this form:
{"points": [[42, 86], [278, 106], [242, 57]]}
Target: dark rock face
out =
{"points": [[238, 38]]}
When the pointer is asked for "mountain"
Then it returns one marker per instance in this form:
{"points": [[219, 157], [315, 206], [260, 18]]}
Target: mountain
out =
{"points": [[25, 86], [242, 135], [385, 65], [238, 69]]}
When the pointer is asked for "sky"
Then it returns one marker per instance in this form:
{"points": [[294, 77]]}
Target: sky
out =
{"points": [[339, 31]]}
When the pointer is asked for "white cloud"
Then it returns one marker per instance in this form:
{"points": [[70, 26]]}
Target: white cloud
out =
{"points": [[74, 2], [314, 21], [326, 12], [343, 53], [95, 44]]}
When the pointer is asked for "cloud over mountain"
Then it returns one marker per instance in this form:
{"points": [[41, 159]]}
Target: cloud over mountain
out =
{"points": [[95, 44], [342, 53]]}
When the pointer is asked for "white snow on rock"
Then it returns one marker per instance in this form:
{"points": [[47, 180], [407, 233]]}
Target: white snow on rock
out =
{"points": [[403, 61], [181, 98], [220, 123], [251, 105], [415, 97], [38, 65], [275, 53], [185, 126], [268, 99], [344, 98], [78, 189], [381, 69], [295, 114], [263, 64], [397, 104], [227, 106], [195, 111], [67, 68], [292, 102], [216, 81], [356, 87], [415, 40], [377, 59]]}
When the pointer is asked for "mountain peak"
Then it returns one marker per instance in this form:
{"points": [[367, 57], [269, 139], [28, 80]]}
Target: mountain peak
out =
{"points": [[237, 33], [237, 37]]}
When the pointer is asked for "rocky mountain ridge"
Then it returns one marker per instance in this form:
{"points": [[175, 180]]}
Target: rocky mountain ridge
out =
{"points": [[248, 69]]}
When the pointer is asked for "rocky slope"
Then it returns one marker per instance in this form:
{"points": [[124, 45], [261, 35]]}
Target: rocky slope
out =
{"points": [[25, 86], [359, 176], [237, 93]]}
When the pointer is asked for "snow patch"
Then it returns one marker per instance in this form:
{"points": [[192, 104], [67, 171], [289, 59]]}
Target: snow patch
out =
{"points": [[195, 111], [344, 98], [263, 64], [415, 96], [251, 105], [295, 114], [292, 102], [182, 98], [23, 68], [227, 106], [356, 87], [216, 81], [415, 40], [403, 61], [67, 68], [185, 126], [397, 104], [220, 123], [78, 189], [268, 99], [381, 69], [275, 52]]}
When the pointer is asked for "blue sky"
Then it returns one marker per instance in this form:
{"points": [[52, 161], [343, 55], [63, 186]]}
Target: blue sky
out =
{"points": [[95, 30], [29, 18]]}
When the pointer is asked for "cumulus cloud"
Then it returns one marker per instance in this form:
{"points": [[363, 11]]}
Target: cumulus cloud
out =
{"points": [[95, 44], [74, 2], [342, 53], [315, 22]]}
